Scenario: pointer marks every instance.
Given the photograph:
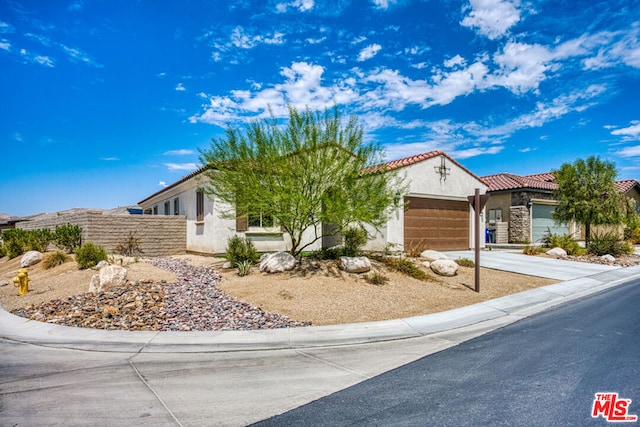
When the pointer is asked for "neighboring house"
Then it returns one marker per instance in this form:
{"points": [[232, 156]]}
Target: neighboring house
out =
{"points": [[437, 211], [520, 207]]}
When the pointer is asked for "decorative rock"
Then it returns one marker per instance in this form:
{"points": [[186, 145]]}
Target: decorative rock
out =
{"points": [[227, 265], [427, 264], [101, 264], [360, 264], [444, 267], [278, 262], [108, 277], [608, 258], [31, 258], [557, 252], [433, 255]]}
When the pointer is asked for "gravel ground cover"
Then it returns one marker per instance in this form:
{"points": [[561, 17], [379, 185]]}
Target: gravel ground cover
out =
{"points": [[192, 303]]}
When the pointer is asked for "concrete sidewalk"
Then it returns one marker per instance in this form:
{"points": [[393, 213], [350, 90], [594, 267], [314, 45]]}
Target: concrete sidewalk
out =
{"points": [[499, 311]]}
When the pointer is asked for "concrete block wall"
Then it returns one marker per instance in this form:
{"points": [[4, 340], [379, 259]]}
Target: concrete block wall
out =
{"points": [[157, 235]]}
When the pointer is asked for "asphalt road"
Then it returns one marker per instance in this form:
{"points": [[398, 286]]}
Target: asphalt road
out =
{"points": [[541, 371]]}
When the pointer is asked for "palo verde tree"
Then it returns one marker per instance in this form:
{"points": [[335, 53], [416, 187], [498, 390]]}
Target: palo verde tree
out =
{"points": [[586, 194], [312, 170]]}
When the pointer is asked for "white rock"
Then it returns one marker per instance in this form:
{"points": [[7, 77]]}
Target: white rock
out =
{"points": [[227, 265], [427, 264], [108, 277], [278, 262], [608, 258], [433, 255], [360, 264], [101, 264], [444, 267], [31, 258], [4, 282], [558, 252]]}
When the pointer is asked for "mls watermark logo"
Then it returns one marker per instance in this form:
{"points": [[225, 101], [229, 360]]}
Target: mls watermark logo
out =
{"points": [[612, 408]]}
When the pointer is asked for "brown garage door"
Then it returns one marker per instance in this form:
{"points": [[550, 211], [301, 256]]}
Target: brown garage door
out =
{"points": [[440, 224]]}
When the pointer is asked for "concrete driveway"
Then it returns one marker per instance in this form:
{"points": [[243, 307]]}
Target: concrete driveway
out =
{"points": [[549, 268]]}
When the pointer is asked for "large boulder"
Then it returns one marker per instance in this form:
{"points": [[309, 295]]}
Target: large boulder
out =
{"points": [[108, 277], [608, 258], [444, 267], [432, 255], [278, 262], [360, 264], [557, 252], [31, 258]]}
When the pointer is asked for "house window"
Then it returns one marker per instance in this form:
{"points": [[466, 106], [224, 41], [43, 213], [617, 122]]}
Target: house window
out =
{"points": [[167, 208], [199, 205], [495, 215], [261, 221], [155, 210], [176, 206]]}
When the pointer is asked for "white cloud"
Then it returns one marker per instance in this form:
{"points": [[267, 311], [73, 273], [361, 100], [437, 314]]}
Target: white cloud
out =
{"points": [[18, 137], [6, 28], [162, 184], [44, 60], [456, 60], [301, 5], [110, 159], [181, 166], [180, 87], [492, 18], [521, 67], [383, 4], [369, 52], [5, 44], [633, 151], [179, 152], [630, 133], [243, 39]]}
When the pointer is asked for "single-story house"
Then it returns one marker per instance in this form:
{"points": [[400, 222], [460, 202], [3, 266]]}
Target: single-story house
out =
{"points": [[520, 208], [437, 211]]}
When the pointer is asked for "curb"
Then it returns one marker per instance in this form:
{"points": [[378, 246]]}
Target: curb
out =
{"points": [[484, 316]]}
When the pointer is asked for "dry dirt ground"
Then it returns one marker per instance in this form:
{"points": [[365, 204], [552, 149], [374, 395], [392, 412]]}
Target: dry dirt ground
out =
{"points": [[315, 291]]}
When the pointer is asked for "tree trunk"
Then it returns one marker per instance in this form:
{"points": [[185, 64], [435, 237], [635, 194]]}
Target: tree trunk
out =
{"points": [[587, 233]]}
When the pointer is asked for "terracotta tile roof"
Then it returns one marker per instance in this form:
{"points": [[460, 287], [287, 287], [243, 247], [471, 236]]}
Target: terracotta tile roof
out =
{"points": [[625, 185], [508, 181], [546, 176], [412, 160]]}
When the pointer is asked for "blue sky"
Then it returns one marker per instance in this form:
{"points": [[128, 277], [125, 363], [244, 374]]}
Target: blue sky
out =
{"points": [[104, 102]]}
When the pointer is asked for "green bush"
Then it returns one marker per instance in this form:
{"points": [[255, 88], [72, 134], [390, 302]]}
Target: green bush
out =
{"points": [[3, 250], [88, 255], [354, 239], [376, 278], [329, 253], [68, 237], [465, 262], [54, 259], [244, 267], [38, 240], [565, 242], [403, 266], [241, 249], [15, 241], [608, 243], [532, 250]]}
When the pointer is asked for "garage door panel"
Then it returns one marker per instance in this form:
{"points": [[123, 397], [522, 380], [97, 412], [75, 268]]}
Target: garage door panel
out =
{"points": [[440, 224], [543, 222]]}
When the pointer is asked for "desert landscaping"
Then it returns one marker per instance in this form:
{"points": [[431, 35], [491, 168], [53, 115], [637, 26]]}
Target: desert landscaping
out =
{"points": [[204, 296]]}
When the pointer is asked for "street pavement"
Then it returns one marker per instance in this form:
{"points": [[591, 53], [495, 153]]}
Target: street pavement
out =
{"points": [[55, 375]]}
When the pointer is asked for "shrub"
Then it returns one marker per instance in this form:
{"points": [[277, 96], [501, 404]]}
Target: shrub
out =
{"points": [[402, 265], [608, 243], [329, 253], [130, 246], [39, 240], [68, 237], [354, 239], [88, 255], [15, 241], [376, 278], [532, 250], [565, 242], [241, 249], [244, 267], [54, 259], [416, 248], [3, 250], [465, 262]]}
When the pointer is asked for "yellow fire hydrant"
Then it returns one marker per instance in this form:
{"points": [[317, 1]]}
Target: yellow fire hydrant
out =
{"points": [[22, 279]]}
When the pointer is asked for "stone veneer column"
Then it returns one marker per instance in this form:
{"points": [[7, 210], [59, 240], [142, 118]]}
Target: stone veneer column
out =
{"points": [[519, 224]]}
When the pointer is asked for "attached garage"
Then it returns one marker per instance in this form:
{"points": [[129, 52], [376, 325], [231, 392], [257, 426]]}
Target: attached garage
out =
{"points": [[542, 222], [438, 223]]}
